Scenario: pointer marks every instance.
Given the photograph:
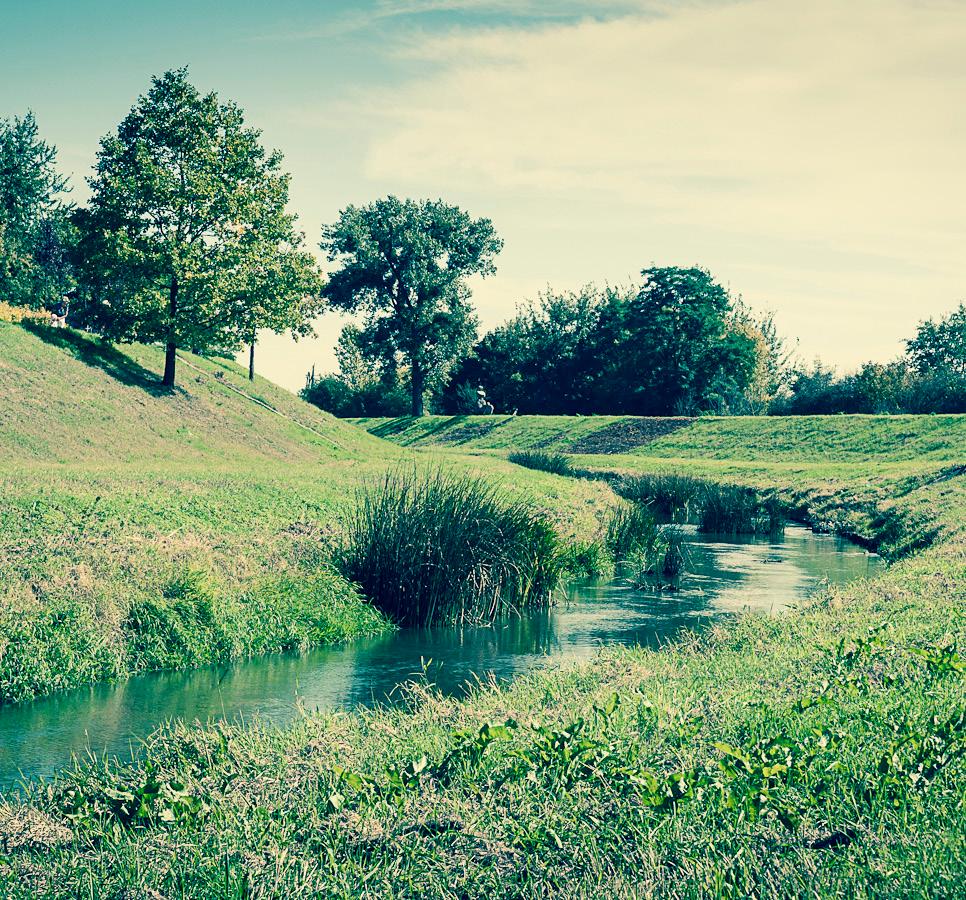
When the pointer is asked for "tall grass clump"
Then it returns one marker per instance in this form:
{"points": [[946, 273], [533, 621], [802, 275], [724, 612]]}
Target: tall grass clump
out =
{"points": [[662, 558], [543, 461], [630, 528], [670, 496], [436, 548], [730, 509]]}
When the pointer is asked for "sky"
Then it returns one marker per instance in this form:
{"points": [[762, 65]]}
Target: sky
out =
{"points": [[811, 155]]}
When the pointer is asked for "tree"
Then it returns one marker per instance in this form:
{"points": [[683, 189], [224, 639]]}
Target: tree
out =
{"points": [[404, 264], [940, 347], [173, 244], [680, 350], [277, 284], [33, 233]]}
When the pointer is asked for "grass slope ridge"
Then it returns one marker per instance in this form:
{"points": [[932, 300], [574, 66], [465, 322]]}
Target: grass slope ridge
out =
{"points": [[794, 438], [67, 398]]}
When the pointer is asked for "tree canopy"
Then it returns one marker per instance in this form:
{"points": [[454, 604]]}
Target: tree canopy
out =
{"points": [[675, 343], [34, 233], [940, 346], [403, 264], [186, 240]]}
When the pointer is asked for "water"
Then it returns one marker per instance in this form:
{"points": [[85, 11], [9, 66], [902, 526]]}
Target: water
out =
{"points": [[725, 576]]}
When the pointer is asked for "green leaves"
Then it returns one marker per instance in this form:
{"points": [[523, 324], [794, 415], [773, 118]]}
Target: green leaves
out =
{"points": [[187, 239], [404, 264]]}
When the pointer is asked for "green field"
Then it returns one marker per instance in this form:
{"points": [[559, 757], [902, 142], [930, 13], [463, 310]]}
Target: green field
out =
{"points": [[816, 754]]}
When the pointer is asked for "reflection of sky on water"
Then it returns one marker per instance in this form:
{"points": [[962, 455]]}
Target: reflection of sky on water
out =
{"points": [[724, 577]]}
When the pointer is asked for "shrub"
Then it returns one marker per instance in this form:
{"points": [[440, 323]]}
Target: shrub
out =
{"points": [[543, 461], [435, 548], [17, 314], [667, 495], [730, 509]]}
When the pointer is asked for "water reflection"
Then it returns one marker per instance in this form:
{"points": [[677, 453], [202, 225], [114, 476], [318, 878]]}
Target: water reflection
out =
{"points": [[725, 576]]}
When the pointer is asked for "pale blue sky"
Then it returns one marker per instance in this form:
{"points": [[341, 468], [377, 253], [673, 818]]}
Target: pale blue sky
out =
{"points": [[809, 154]]}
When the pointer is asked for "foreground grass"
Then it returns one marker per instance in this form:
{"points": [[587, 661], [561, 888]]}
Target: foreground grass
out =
{"points": [[815, 754]]}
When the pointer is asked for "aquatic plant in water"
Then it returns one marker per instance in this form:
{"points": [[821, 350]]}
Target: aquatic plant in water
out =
{"points": [[437, 548]]}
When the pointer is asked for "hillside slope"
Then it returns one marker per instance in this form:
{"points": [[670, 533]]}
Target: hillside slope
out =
{"points": [[798, 438], [145, 528], [66, 397]]}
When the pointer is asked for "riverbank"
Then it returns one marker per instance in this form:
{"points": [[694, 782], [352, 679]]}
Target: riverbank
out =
{"points": [[819, 753], [143, 528]]}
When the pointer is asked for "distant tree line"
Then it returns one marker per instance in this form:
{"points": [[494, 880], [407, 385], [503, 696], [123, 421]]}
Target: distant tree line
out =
{"points": [[676, 344], [186, 242]]}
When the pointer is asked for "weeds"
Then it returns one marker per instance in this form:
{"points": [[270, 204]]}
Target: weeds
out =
{"points": [[440, 548], [542, 461]]}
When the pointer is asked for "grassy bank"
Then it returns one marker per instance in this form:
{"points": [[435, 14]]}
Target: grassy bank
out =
{"points": [[142, 528], [815, 754], [820, 753], [891, 481]]}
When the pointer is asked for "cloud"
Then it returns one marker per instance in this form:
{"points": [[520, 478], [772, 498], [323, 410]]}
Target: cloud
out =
{"points": [[822, 122]]}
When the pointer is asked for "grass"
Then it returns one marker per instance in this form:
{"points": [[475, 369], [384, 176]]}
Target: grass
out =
{"points": [[661, 560], [732, 509], [669, 496], [819, 753], [542, 461], [431, 549], [788, 439], [815, 754]]}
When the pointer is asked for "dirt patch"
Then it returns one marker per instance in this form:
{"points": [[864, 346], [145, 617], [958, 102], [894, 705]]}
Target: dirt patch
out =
{"points": [[628, 434], [471, 431], [25, 828]]}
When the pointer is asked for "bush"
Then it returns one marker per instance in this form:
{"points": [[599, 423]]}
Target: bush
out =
{"points": [[333, 395], [17, 314], [543, 461], [667, 495], [730, 509], [440, 549]]}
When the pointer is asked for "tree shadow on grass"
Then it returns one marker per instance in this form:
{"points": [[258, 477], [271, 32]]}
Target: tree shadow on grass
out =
{"points": [[95, 353]]}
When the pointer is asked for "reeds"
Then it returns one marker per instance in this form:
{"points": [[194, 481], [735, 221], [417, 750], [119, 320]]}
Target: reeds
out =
{"points": [[436, 548], [543, 461], [730, 509], [716, 508], [670, 496]]}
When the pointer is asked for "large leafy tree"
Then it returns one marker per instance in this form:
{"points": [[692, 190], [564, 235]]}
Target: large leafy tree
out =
{"points": [[940, 347], [404, 265], [186, 235], [676, 343], [34, 234], [678, 348]]}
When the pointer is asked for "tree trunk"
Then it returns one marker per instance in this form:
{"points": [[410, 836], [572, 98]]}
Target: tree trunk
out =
{"points": [[171, 350], [251, 359], [418, 389]]}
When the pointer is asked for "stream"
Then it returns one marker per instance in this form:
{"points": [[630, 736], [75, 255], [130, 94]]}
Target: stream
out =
{"points": [[724, 576]]}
